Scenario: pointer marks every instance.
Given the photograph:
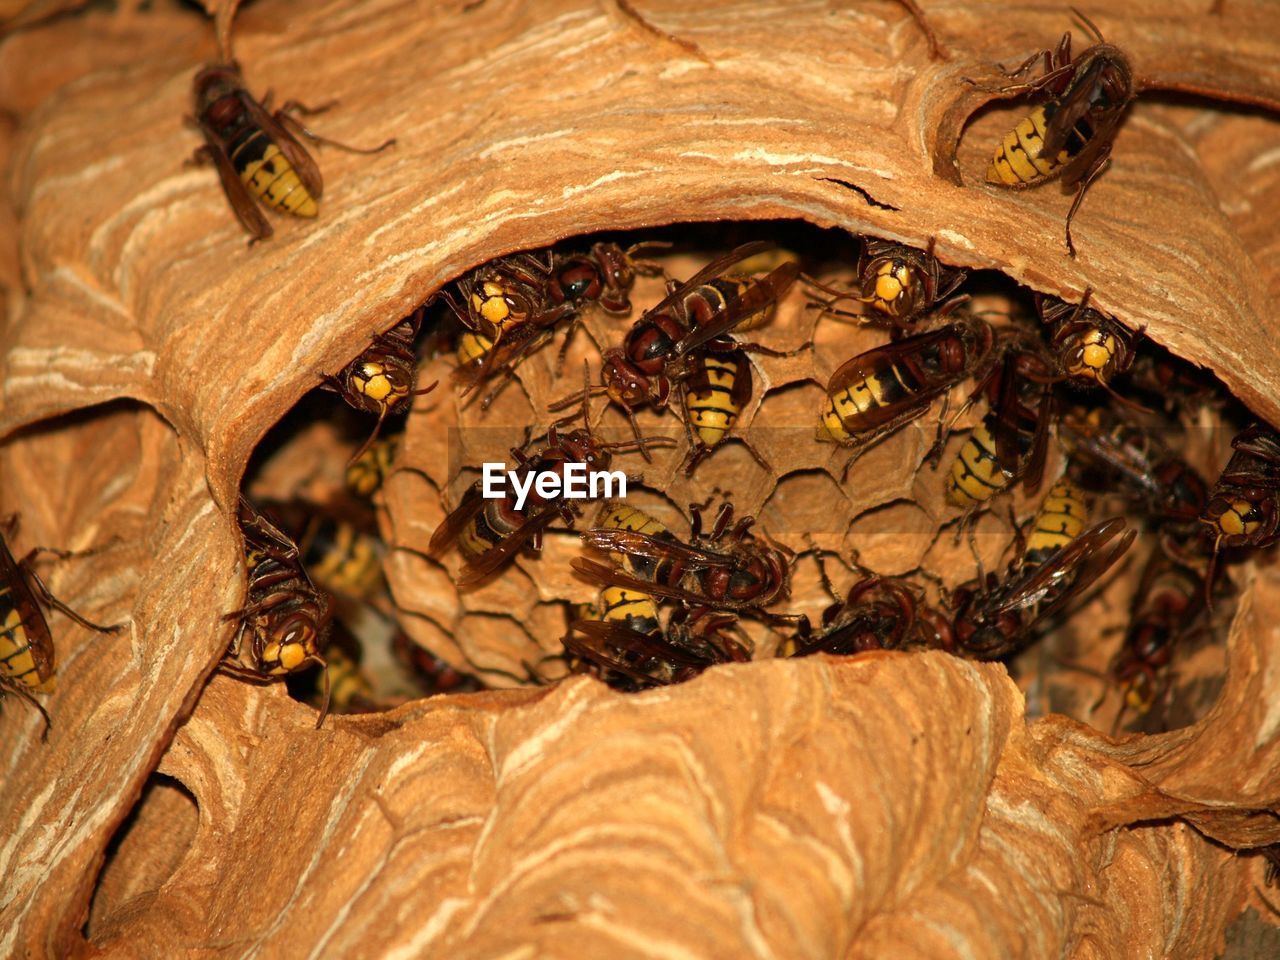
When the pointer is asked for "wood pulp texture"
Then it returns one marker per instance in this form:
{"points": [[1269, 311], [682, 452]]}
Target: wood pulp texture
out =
{"points": [[891, 805]]}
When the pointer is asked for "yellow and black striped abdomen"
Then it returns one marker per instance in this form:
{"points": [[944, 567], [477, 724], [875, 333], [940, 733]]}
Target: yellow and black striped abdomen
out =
{"points": [[1061, 518], [753, 320], [472, 348], [1017, 160], [860, 404], [343, 559], [975, 475], [479, 536], [267, 173], [713, 412], [367, 472], [637, 611], [616, 515], [348, 683], [831, 424], [17, 665]]}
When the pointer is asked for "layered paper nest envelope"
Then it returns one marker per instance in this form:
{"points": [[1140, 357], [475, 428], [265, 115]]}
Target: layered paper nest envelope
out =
{"points": [[892, 804]]}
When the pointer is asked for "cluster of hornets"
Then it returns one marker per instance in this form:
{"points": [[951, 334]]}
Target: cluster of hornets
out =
{"points": [[672, 605]]}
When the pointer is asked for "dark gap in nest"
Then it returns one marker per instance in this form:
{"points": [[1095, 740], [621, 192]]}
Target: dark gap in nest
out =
{"points": [[143, 853], [301, 477], [860, 191], [991, 294]]}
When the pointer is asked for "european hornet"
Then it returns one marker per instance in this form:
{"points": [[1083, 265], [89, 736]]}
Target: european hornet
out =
{"points": [[899, 282], [630, 657], [626, 642], [334, 546], [511, 306], [349, 688], [1177, 385], [1109, 450], [880, 391], [724, 569], [993, 617], [878, 613], [383, 379], [1012, 441], [255, 154], [1092, 349], [1244, 505], [1170, 598], [618, 603], [682, 346], [286, 618], [1059, 520], [369, 468], [1070, 135], [26, 645], [624, 606], [744, 275], [491, 531]]}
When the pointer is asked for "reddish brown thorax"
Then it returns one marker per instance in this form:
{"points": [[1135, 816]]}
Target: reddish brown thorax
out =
{"points": [[216, 90]]}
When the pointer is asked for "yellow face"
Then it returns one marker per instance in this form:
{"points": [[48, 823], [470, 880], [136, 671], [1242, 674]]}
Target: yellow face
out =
{"points": [[1093, 357], [1240, 519], [291, 646], [381, 384], [493, 304], [891, 287], [372, 381]]}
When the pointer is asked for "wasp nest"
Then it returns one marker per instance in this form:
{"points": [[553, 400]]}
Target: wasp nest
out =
{"points": [[894, 803]]}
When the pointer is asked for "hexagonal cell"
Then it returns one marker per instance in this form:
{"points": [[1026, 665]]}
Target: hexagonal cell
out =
{"points": [[142, 288], [784, 428], [805, 503], [892, 540], [959, 548], [888, 510], [498, 649]]}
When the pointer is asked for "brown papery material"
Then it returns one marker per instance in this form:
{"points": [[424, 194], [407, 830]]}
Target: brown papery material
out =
{"points": [[889, 805]]}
